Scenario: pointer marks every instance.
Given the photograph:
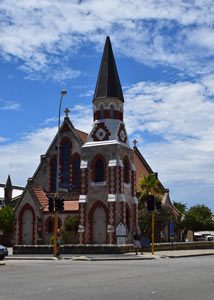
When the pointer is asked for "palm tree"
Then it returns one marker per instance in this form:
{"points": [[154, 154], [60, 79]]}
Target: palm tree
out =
{"points": [[149, 185]]}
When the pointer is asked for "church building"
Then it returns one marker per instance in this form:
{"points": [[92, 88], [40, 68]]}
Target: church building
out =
{"points": [[98, 173]]}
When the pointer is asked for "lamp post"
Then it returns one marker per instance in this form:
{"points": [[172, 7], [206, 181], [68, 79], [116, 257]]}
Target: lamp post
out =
{"points": [[62, 93]]}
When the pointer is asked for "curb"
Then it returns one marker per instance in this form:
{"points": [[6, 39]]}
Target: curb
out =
{"points": [[87, 258], [30, 258], [187, 255], [122, 259]]}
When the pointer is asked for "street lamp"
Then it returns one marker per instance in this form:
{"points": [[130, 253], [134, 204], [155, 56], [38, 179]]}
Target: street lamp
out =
{"points": [[62, 93]]}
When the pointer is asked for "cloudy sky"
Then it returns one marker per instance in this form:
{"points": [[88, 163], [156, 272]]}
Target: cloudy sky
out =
{"points": [[164, 54]]}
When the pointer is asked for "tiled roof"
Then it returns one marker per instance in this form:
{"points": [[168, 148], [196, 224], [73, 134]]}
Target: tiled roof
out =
{"points": [[83, 135], [69, 205], [41, 196]]}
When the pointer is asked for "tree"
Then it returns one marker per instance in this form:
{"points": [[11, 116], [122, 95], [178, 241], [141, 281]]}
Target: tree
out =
{"points": [[6, 223], [180, 222], [149, 185], [70, 230], [199, 217], [182, 207]]}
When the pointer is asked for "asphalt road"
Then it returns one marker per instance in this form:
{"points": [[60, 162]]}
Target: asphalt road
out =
{"points": [[162, 279]]}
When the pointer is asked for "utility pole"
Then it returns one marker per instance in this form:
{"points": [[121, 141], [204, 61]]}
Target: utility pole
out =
{"points": [[153, 231], [153, 205]]}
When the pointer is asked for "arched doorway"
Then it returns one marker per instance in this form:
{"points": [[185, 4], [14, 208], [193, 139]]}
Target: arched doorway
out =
{"points": [[27, 227], [99, 225]]}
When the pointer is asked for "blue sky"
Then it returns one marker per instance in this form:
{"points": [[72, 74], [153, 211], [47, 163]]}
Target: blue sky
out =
{"points": [[164, 54]]}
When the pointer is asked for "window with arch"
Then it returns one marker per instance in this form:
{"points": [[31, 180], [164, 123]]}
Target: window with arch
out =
{"points": [[50, 225], [76, 172], [65, 154], [98, 169], [126, 170], [128, 216], [112, 111], [53, 167], [101, 111]]}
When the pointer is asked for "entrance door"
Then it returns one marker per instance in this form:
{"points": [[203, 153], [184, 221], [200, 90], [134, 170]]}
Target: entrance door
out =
{"points": [[99, 226], [27, 227]]}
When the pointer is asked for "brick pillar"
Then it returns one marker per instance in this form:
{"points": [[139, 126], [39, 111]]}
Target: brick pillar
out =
{"points": [[111, 223], [82, 225]]}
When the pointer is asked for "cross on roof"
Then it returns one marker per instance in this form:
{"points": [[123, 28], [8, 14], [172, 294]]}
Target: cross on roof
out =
{"points": [[134, 142], [66, 111]]}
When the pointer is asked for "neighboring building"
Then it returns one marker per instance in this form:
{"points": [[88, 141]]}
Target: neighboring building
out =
{"points": [[99, 170]]}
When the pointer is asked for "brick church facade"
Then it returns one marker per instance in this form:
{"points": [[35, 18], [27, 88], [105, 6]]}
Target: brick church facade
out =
{"points": [[99, 172]]}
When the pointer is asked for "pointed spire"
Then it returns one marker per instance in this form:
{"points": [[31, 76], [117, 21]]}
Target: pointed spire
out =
{"points": [[8, 182], [108, 82], [8, 191]]}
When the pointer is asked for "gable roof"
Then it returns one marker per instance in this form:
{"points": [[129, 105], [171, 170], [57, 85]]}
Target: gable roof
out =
{"points": [[83, 135], [65, 126]]}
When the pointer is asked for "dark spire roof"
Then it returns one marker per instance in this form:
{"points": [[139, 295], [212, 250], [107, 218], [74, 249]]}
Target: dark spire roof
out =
{"points": [[108, 82], [8, 183]]}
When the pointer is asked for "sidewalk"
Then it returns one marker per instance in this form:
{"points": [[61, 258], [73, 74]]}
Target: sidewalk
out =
{"points": [[110, 257]]}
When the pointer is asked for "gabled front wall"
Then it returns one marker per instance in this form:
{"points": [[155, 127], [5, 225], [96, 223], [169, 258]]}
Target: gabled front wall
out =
{"points": [[27, 203], [42, 177]]}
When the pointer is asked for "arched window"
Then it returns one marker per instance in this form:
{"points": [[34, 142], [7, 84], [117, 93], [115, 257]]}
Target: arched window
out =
{"points": [[101, 111], [76, 173], [65, 154], [112, 111], [126, 170], [50, 226], [53, 166], [99, 169]]}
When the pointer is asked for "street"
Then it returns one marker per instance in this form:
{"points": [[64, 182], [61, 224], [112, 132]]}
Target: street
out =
{"points": [[173, 279]]}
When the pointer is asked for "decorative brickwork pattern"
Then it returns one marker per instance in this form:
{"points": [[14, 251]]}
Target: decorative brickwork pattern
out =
{"points": [[122, 134], [101, 133]]}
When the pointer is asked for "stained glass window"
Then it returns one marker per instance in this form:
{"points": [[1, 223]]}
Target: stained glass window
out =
{"points": [[76, 173], [65, 166]]}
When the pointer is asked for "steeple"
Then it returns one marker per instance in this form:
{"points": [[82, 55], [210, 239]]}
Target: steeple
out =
{"points": [[108, 82], [8, 190]]}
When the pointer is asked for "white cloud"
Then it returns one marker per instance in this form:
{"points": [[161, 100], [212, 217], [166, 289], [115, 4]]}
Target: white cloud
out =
{"points": [[2, 139], [20, 159], [179, 121], [9, 105], [81, 116], [177, 34]]}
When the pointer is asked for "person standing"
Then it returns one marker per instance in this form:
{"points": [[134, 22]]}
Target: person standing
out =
{"points": [[137, 243]]}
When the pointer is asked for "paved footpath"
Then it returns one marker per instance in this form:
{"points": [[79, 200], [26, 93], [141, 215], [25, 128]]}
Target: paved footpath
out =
{"points": [[106, 257]]}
